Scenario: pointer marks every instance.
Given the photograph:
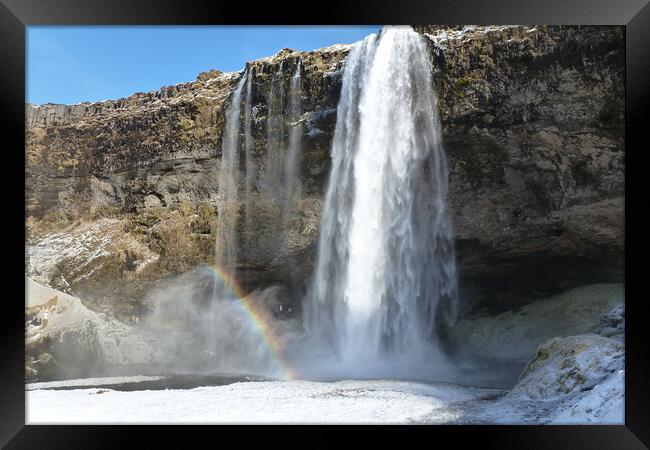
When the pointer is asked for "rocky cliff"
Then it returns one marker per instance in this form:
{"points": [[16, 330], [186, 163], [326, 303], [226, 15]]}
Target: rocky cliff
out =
{"points": [[122, 193]]}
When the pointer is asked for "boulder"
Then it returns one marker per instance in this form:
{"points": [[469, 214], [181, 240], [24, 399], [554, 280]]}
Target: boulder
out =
{"points": [[515, 335], [572, 380], [64, 339]]}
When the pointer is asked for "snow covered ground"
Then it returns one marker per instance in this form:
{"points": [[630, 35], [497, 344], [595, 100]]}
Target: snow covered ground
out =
{"points": [[359, 401]]}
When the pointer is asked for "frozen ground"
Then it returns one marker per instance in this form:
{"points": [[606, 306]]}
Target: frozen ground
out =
{"points": [[357, 401], [380, 401]]}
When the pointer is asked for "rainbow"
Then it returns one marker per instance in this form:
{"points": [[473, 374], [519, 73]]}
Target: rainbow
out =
{"points": [[259, 319]]}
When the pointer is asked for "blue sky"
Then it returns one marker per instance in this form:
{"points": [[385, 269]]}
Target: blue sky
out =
{"points": [[75, 64]]}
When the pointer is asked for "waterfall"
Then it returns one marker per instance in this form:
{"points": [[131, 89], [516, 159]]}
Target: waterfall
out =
{"points": [[290, 172], [228, 204], [272, 180], [385, 268], [248, 147], [230, 332], [279, 181]]}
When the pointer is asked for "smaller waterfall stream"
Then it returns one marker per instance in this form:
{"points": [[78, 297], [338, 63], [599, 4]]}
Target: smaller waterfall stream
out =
{"points": [[271, 184], [233, 330], [278, 184], [228, 204], [290, 179], [248, 146]]}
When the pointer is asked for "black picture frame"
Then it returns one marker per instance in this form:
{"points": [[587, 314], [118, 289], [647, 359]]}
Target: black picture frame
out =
{"points": [[16, 15]]}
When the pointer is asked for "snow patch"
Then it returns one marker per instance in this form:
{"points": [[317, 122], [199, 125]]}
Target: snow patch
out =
{"points": [[117, 342], [335, 48], [575, 380], [442, 37], [88, 243], [604, 404]]}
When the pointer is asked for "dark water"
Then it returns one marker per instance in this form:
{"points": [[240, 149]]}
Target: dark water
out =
{"points": [[470, 371], [487, 373], [173, 381]]}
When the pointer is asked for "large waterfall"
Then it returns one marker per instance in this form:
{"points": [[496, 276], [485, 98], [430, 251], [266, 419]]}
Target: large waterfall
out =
{"points": [[385, 272]]}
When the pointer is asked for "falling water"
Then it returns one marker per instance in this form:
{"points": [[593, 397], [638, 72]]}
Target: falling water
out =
{"points": [[386, 266], [228, 205], [248, 147], [272, 180], [224, 329], [290, 179]]}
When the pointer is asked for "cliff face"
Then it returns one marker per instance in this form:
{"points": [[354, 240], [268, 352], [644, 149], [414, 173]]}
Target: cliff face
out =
{"points": [[534, 132], [533, 128]]}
